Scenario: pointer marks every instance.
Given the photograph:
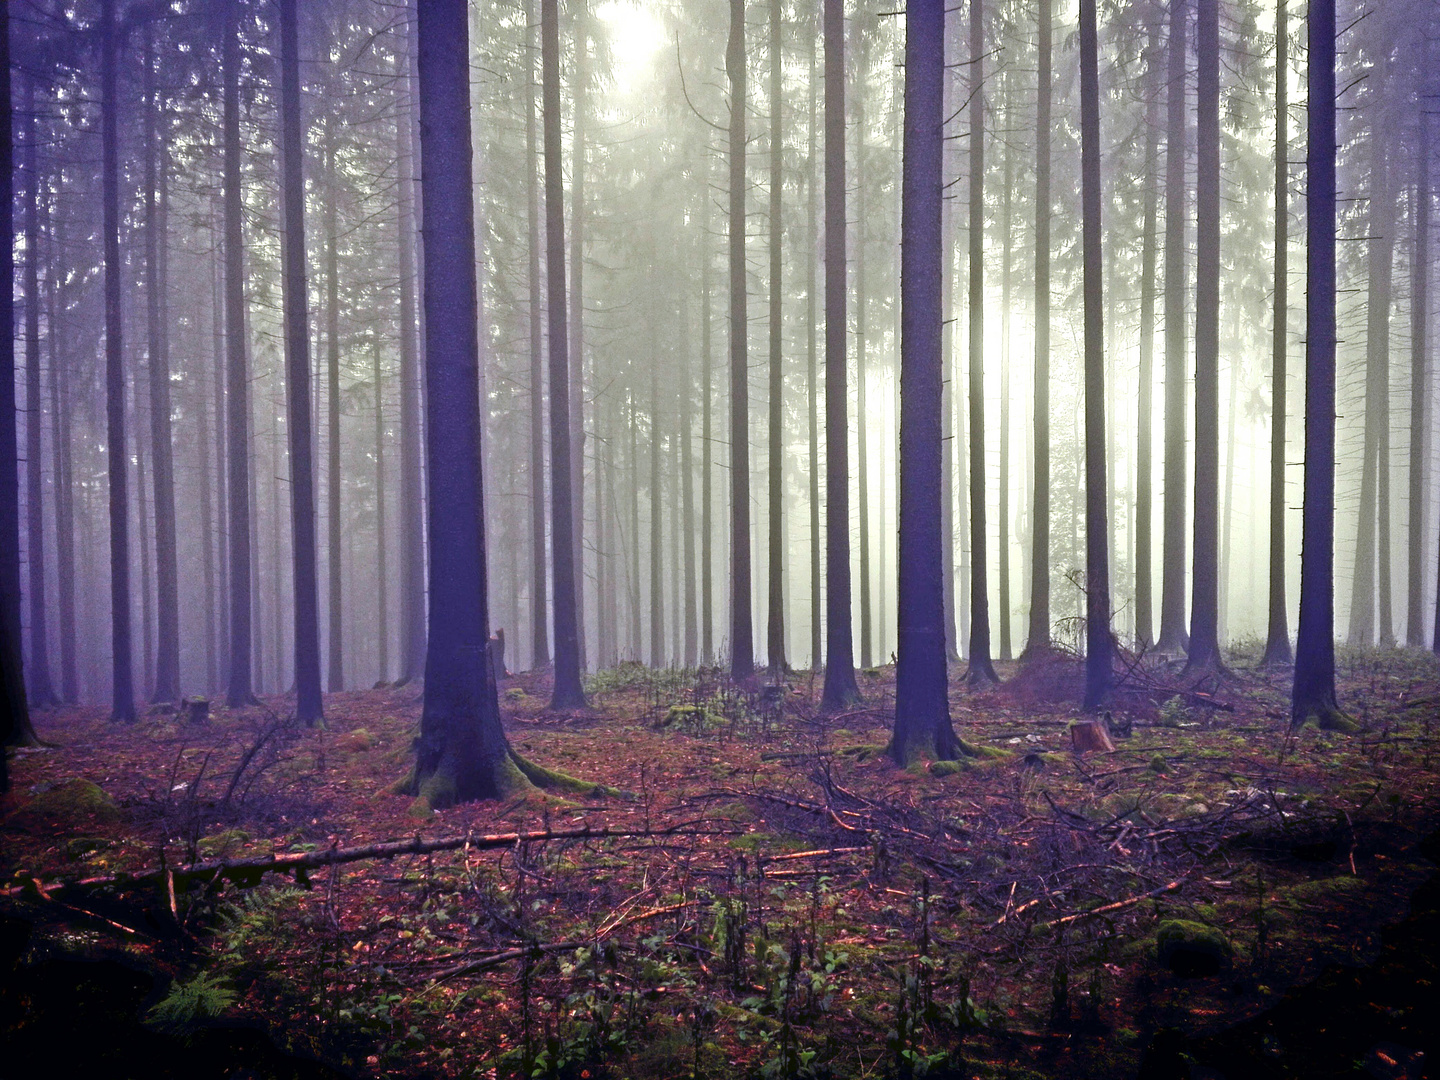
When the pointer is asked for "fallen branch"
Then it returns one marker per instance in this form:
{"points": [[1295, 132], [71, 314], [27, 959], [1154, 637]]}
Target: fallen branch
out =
{"points": [[1118, 905]]}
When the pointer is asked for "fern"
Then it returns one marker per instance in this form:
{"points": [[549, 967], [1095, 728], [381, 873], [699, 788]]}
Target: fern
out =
{"points": [[191, 1003]]}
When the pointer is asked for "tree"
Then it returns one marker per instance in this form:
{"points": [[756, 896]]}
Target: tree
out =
{"points": [[1037, 641], [1173, 638], [1277, 638], [237, 379], [840, 690], [462, 753], [1420, 271], [1144, 500], [14, 711], [309, 703], [576, 328], [335, 638], [775, 615], [1205, 599], [1313, 691], [1098, 645], [122, 675], [742, 649], [812, 373], [539, 614], [982, 670], [567, 692], [167, 607], [922, 707]]}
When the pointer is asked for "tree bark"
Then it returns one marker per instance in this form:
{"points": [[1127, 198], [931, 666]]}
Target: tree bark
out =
{"points": [[309, 703], [1145, 438], [1313, 691], [707, 404], [577, 317], [922, 708], [839, 691], [335, 636], [812, 369], [539, 604], [861, 31], [237, 378], [567, 693], [63, 473], [1037, 636], [1173, 638], [775, 615], [742, 648]]}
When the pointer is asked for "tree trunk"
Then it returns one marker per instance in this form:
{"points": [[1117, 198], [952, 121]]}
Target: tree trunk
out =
{"points": [[237, 377], [539, 607], [1037, 635], [64, 492], [840, 691], [142, 530], [309, 703], [14, 711], [567, 693], [1420, 271], [691, 643], [1145, 438], [412, 485], [922, 708], [580, 81], [775, 615], [462, 752], [656, 552], [862, 349], [982, 670], [167, 608], [221, 478], [742, 649], [40, 690], [707, 555], [1277, 637], [1098, 646], [1172, 558], [335, 632], [812, 370], [122, 677], [382, 572], [1003, 545], [1313, 692]]}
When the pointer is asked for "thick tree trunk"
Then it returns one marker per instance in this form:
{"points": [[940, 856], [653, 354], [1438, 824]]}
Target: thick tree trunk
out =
{"points": [[922, 708], [237, 378], [1277, 636], [982, 670], [122, 672], [1173, 638], [412, 486], [309, 703], [1205, 599], [1145, 438], [1098, 645], [1037, 636], [742, 648], [14, 711], [39, 688], [568, 693], [539, 603], [775, 586], [840, 690], [1313, 692], [167, 608], [221, 477]]}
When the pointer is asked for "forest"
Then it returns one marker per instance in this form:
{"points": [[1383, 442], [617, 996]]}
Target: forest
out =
{"points": [[636, 539]]}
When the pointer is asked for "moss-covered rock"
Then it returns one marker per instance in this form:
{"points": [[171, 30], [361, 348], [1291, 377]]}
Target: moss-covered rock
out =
{"points": [[1191, 949], [76, 799], [692, 718], [81, 847]]}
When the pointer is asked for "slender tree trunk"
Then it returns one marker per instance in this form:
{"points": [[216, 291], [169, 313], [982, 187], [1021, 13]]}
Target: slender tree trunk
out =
{"points": [[742, 649], [1144, 417], [335, 636], [40, 689], [1277, 638], [122, 677], [656, 554], [954, 519], [862, 349], [1037, 636], [1313, 692], [922, 708], [634, 461], [982, 670], [580, 82], [567, 693], [1420, 271], [237, 377], [775, 619], [1205, 598], [167, 656], [142, 530], [812, 371], [382, 570], [309, 703], [687, 485], [412, 485], [222, 475], [840, 690], [62, 469], [1173, 638], [539, 613], [1003, 545], [707, 557], [1098, 646]]}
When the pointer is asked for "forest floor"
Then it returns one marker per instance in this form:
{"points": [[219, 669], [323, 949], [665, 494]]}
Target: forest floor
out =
{"points": [[1212, 898]]}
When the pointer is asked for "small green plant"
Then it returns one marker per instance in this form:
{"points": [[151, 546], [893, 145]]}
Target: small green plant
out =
{"points": [[189, 1004], [1174, 713]]}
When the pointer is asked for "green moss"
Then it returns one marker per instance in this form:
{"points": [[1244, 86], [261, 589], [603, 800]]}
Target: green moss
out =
{"points": [[551, 780], [1316, 893], [356, 740], [862, 751], [76, 798], [692, 718], [220, 844], [985, 753], [515, 693], [1158, 764], [82, 846], [948, 768], [1191, 948]]}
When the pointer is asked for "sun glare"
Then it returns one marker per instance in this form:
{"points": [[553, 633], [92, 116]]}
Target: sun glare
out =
{"points": [[636, 36]]}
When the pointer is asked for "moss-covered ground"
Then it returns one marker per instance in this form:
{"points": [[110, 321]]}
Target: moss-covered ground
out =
{"points": [[791, 904]]}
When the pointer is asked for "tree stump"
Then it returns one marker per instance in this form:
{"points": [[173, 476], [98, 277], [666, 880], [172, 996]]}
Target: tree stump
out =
{"points": [[1086, 735], [197, 710]]}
